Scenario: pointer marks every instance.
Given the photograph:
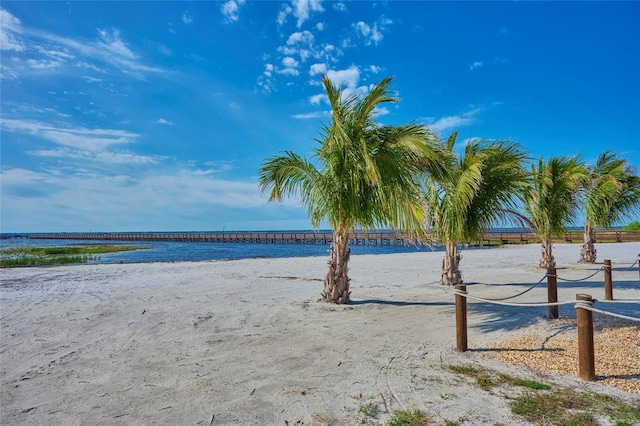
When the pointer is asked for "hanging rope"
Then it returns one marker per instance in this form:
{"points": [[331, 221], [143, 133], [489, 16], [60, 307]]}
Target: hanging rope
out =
{"points": [[515, 295], [526, 305], [589, 307], [581, 279]]}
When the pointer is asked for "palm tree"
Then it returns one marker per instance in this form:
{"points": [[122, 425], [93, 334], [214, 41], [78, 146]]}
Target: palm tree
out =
{"points": [[611, 192], [362, 176], [477, 190], [550, 199]]}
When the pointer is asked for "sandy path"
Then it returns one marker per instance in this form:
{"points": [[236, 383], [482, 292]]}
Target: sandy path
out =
{"points": [[247, 342]]}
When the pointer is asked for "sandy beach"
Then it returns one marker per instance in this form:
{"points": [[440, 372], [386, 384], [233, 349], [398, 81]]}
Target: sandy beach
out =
{"points": [[246, 342]]}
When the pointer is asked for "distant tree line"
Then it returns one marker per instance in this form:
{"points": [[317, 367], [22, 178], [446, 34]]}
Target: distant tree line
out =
{"points": [[364, 175]]}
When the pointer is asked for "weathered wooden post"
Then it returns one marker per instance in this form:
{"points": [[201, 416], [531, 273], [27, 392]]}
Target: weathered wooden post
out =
{"points": [[586, 356], [461, 319], [552, 292], [608, 284]]}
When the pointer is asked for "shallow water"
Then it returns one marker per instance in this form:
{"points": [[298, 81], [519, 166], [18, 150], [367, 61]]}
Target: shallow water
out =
{"points": [[173, 251]]}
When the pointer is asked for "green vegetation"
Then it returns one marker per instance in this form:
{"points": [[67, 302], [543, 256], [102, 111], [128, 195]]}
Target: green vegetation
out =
{"points": [[546, 405], [477, 189], [487, 381], [633, 226], [363, 175], [610, 192], [551, 199], [568, 407], [370, 409], [408, 418], [44, 256]]}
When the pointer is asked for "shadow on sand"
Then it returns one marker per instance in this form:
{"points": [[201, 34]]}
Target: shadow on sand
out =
{"points": [[396, 303]]}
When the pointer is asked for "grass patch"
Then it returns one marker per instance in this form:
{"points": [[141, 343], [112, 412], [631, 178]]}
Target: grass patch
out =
{"points": [[544, 405], [369, 410], [408, 418], [487, 380], [566, 407], [45, 256]]}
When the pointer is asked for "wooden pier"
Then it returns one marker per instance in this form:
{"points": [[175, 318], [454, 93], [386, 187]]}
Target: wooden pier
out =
{"points": [[381, 238]]}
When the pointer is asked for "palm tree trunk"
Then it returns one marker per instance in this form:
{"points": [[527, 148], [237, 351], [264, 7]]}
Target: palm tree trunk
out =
{"points": [[451, 274], [588, 253], [336, 283], [547, 260]]}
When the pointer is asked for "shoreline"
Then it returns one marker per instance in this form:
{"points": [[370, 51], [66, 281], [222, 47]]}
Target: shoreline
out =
{"points": [[246, 342]]}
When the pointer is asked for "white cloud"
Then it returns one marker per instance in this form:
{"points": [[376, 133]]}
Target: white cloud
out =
{"points": [[268, 70], [349, 77], [83, 201], [187, 18], [454, 121], [305, 37], [163, 121], [308, 115], [320, 26], [371, 34], [10, 30], [112, 42], [290, 62], [379, 111], [340, 6], [231, 10], [375, 69], [302, 9], [52, 53], [476, 64], [76, 137], [282, 15], [316, 69], [316, 99], [103, 157], [290, 66]]}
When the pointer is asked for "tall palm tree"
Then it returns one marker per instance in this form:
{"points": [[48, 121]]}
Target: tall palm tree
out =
{"points": [[551, 199], [476, 191], [361, 176], [611, 192]]}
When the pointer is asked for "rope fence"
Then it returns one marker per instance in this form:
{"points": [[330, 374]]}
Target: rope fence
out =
{"points": [[584, 313], [580, 279], [600, 311]]}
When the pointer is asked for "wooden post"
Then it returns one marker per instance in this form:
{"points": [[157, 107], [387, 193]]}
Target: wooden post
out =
{"points": [[586, 357], [461, 319], [608, 285], [552, 292]]}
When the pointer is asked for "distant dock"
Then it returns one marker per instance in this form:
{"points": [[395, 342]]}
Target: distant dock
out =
{"points": [[381, 238]]}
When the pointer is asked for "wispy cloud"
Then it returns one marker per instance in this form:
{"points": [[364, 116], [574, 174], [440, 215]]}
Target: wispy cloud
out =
{"points": [[476, 64], [76, 137], [302, 9], [164, 121], [39, 51], [81, 201], [10, 30], [309, 115], [454, 121], [187, 18], [340, 6], [231, 10]]}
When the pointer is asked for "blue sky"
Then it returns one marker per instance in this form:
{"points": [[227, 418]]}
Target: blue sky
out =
{"points": [[126, 116]]}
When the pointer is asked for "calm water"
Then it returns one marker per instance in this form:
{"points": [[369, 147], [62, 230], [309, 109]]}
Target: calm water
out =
{"points": [[185, 251]]}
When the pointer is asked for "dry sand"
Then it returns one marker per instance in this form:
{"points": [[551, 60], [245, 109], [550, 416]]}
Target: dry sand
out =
{"points": [[247, 343]]}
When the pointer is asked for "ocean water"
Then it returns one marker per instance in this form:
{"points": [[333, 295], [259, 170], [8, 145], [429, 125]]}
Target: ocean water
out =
{"points": [[172, 251]]}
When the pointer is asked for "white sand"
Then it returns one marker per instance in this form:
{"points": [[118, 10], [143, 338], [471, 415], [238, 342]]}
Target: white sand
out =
{"points": [[247, 341]]}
